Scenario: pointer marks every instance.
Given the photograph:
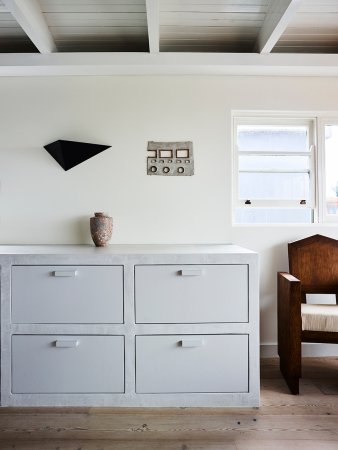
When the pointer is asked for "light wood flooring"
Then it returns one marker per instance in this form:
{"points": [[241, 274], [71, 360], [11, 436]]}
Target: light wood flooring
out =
{"points": [[308, 421]]}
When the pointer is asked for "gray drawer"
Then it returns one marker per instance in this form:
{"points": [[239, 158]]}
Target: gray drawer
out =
{"points": [[67, 294], [191, 294], [194, 363], [67, 364]]}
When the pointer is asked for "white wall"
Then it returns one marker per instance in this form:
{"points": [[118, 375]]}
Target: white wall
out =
{"points": [[41, 203]]}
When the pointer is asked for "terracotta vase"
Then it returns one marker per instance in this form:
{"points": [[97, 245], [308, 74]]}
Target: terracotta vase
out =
{"points": [[101, 227]]}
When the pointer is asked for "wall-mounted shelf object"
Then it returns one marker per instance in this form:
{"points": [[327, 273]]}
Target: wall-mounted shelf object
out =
{"points": [[71, 153], [170, 158]]}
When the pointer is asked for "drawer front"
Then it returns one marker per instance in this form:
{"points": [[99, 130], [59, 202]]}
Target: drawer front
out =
{"points": [[195, 363], [191, 294], [67, 294], [67, 364]]}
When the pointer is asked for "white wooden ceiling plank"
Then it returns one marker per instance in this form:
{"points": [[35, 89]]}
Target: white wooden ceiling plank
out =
{"points": [[211, 8], [214, 23], [94, 40], [106, 47], [96, 8], [308, 40], [174, 3], [153, 23], [212, 29], [97, 31], [98, 23], [100, 45], [7, 16], [315, 20], [47, 3], [31, 20], [318, 9], [208, 39], [12, 32], [313, 31], [308, 49], [207, 32], [207, 49], [273, 64], [13, 40], [115, 41], [319, 2], [277, 19], [173, 17], [142, 33], [8, 24], [50, 17]]}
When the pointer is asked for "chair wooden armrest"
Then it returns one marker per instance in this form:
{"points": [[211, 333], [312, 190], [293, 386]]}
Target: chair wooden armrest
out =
{"points": [[289, 328]]}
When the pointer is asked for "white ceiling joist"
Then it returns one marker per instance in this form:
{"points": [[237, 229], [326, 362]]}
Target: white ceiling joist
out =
{"points": [[29, 16], [93, 64], [277, 19], [153, 21]]}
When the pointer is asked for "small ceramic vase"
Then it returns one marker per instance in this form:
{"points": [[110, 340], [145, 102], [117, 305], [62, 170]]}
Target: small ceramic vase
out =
{"points": [[101, 227]]}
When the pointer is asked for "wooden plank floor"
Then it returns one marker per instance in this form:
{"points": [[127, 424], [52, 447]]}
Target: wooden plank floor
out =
{"points": [[308, 421]]}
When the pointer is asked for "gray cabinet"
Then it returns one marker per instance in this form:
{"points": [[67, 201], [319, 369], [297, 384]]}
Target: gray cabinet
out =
{"points": [[67, 294], [191, 293], [192, 363], [67, 364], [129, 326]]}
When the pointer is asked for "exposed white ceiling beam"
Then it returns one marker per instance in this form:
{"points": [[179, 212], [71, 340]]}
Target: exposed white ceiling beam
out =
{"points": [[279, 15], [153, 21], [87, 64], [29, 16]]}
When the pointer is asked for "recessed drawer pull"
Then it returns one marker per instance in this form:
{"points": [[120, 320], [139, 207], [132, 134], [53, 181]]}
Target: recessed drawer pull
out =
{"points": [[65, 273], [192, 343], [67, 343], [191, 272]]}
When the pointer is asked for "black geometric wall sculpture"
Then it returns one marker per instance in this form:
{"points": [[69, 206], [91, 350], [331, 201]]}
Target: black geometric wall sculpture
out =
{"points": [[71, 153]]}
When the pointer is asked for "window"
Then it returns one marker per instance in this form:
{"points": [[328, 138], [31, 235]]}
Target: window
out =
{"points": [[330, 182], [274, 170]]}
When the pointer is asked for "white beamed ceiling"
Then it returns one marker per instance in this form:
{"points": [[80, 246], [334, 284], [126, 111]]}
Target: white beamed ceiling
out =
{"points": [[314, 29], [214, 26], [97, 26], [173, 27], [12, 36]]}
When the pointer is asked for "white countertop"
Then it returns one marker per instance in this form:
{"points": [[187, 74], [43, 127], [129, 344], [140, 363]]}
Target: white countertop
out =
{"points": [[121, 249]]}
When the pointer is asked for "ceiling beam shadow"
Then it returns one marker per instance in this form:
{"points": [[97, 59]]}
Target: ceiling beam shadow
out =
{"points": [[30, 17]]}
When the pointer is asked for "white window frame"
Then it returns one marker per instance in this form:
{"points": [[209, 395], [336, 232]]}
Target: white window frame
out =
{"points": [[324, 217], [269, 118]]}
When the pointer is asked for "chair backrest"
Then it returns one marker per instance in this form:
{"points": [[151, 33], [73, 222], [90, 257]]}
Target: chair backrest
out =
{"points": [[314, 261]]}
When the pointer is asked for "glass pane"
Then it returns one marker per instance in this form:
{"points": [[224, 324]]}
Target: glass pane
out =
{"points": [[278, 163], [272, 138], [331, 169], [273, 186], [265, 215]]}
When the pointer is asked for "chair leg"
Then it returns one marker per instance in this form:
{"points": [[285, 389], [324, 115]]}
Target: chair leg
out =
{"points": [[290, 367], [289, 329], [292, 382]]}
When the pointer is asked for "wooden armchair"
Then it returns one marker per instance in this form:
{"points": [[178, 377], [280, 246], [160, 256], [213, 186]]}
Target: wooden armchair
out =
{"points": [[313, 267]]}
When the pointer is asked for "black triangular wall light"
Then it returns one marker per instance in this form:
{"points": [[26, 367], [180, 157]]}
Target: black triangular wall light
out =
{"points": [[71, 153]]}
